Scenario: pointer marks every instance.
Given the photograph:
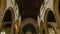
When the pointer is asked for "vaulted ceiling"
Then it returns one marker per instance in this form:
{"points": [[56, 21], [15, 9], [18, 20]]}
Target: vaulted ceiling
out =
{"points": [[29, 8]]}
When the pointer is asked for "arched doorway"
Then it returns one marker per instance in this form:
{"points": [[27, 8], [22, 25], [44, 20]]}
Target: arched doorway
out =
{"points": [[7, 22], [50, 22], [29, 29], [30, 22]]}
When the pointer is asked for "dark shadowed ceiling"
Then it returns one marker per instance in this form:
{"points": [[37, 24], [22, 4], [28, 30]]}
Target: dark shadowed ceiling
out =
{"points": [[29, 8]]}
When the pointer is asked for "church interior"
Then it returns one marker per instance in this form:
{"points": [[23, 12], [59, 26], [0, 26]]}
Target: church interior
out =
{"points": [[29, 16]]}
